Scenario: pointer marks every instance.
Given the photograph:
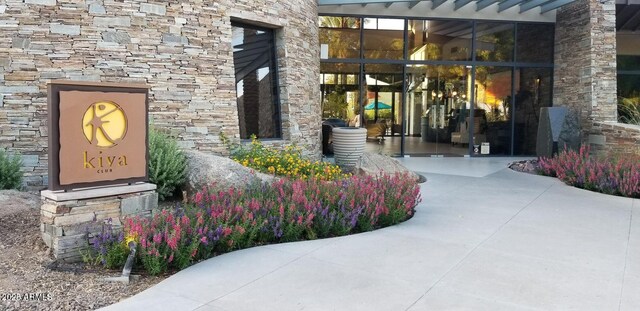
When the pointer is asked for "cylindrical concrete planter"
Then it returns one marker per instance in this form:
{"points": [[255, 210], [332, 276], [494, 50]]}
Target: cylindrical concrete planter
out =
{"points": [[348, 146]]}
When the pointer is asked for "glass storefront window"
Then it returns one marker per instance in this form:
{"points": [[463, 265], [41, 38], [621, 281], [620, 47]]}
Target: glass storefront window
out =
{"points": [[494, 42], [535, 43], [438, 99], [492, 116], [628, 77], [533, 91], [439, 40], [340, 37], [629, 62], [340, 90], [382, 105], [383, 38]]}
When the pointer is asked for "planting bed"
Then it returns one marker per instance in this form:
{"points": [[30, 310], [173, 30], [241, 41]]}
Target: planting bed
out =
{"points": [[29, 277]]}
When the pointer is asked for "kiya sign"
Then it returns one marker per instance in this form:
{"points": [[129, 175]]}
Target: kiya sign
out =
{"points": [[97, 134]]}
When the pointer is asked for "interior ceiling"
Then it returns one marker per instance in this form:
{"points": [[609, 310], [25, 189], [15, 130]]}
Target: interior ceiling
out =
{"points": [[628, 15], [524, 5]]}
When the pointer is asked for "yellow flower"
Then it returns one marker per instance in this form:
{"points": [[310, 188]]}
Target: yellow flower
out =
{"points": [[130, 238]]}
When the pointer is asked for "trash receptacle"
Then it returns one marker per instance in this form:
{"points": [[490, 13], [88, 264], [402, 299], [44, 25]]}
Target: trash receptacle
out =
{"points": [[424, 128]]}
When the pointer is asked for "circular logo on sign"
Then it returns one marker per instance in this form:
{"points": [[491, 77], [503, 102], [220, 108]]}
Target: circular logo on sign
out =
{"points": [[104, 124]]}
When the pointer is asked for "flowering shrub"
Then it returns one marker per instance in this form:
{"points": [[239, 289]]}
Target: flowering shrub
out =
{"points": [[219, 221], [288, 162], [612, 176], [109, 248]]}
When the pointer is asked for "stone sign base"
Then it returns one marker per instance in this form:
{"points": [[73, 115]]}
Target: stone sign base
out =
{"points": [[69, 219]]}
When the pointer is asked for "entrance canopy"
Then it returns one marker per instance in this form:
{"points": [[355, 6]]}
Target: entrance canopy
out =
{"points": [[522, 10]]}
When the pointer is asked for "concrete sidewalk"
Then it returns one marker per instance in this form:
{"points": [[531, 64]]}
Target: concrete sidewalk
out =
{"points": [[484, 238]]}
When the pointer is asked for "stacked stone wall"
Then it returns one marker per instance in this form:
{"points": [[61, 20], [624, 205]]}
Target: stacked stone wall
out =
{"points": [[585, 64], [612, 138], [585, 77], [182, 49], [68, 226]]}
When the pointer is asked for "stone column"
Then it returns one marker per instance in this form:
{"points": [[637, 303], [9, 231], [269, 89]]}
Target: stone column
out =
{"points": [[585, 66]]}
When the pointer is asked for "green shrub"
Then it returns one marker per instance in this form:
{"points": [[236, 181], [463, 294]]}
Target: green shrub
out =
{"points": [[10, 174], [167, 163]]}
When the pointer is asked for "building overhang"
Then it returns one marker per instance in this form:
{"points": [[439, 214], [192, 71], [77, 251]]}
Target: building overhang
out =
{"points": [[512, 10], [628, 15]]}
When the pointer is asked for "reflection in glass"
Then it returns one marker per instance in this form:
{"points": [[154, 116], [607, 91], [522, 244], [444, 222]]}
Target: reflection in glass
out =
{"points": [[382, 104], [383, 38], [535, 43], [439, 40], [533, 91], [628, 77], [494, 42], [437, 108], [629, 98], [629, 85], [437, 113], [492, 119], [629, 62], [339, 90], [255, 70], [340, 36]]}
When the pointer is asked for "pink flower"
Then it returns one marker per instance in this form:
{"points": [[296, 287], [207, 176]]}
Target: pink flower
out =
{"points": [[157, 238], [226, 231]]}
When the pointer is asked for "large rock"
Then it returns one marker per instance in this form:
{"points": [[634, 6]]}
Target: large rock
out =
{"points": [[206, 169], [558, 129], [375, 164]]}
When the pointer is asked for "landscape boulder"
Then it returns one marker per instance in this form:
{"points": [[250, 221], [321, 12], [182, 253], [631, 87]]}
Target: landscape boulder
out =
{"points": [[205, 169], [375, 164]]}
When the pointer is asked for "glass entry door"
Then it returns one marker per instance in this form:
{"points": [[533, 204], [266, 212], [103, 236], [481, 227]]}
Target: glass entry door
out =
{"points": [[437, 110], [382, 108]]}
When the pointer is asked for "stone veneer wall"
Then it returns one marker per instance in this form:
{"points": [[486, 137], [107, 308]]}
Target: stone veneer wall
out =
{"points": [[585, 76], [585, 59], [615, 138], [68, 226], [182, 49]]}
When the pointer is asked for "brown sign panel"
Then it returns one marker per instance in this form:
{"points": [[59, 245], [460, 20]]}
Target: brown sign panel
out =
{"points": [[98, 134]]}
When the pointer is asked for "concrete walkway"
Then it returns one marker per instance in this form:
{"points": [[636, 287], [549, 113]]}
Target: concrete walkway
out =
{"points": [[484, 238]]}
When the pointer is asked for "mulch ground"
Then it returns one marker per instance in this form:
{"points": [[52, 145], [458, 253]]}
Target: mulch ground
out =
{"points": [[31, 279]]}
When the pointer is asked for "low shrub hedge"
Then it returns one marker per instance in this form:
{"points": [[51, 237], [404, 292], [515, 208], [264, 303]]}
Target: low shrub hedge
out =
{"points": [[611, 175], [220, 221]]}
